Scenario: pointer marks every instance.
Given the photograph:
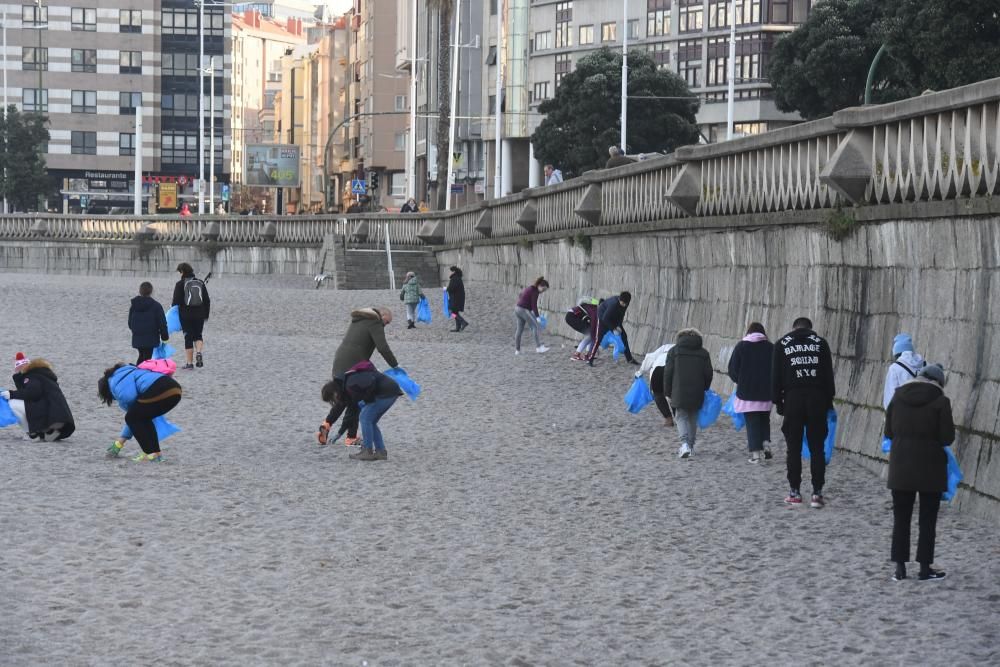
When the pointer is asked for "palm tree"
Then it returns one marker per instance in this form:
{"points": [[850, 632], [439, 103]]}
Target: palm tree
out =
{"points": [[445, 11]]}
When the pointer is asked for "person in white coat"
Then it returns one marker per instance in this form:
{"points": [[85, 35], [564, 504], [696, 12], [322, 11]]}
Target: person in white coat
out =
{"points": [[652, 367], [906, 366]]}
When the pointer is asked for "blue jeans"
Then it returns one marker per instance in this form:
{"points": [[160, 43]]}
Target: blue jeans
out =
{"points": [[370, 414]]}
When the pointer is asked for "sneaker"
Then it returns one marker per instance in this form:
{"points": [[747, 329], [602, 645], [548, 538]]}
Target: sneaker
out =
{"points": [[754, 457], [187, 367], [900, 572], [576, 356], [353, 442], [794, 498], [541, 348], [410, 325], [684, 452], [931, 575], [115, 449], [517, 352], [364, 454], [148, 458], [768, 454], [198, 360], [381, 455], [817, 502], [463, 326]]}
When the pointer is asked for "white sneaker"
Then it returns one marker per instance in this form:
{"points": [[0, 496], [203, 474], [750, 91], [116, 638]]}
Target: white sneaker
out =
{"points": [[541, 348], [755, 457], [684, 452], [517, 352]]}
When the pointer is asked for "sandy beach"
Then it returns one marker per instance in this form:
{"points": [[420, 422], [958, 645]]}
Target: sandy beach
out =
{"points": [[523, 518]]}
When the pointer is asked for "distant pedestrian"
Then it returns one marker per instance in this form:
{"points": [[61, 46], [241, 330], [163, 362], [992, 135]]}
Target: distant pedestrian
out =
{"points": [[552, 175], [687, 375], [611, 314], [38, 401], [582, 318], [526, 314], [410, 295], [220, 209], [802, 390], [410, 206], [750, 369], [377, 391], [456, 298], [617, 158], [919, 423], [147, 322], [185, 211], [194, 307], [905, 366], [144, 395], [652, 366]]}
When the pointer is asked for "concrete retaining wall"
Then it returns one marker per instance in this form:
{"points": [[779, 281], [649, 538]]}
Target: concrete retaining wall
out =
{"points": [[929, 277]]}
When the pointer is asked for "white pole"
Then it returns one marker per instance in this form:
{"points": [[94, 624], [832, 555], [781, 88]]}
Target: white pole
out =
{"points": [[731, 103], [201, 107], [624, 122], [211, 131], [411, 157], [497, 121], [388, 256], [137, 144], [5, 209], [454, 104]]}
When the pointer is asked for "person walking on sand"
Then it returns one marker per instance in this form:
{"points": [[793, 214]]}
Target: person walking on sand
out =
{"points": [[653, 365], [802, 390], [147, 322], [526, 314], [905, 366], [38, 402], [456, 298], [919, 423], [372, 394], [410, 295], [750, 369], [144, 395], [611, 314], [194, 307], [687, 375], [582, 318]]}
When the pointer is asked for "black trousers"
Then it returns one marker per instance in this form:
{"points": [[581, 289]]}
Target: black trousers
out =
{"points": [[140, 416], [759, 430], [352, 417], [459, 320], [145, 354], [628, 349], [656, 386], [902, 515], [192, 330], [805, 410]]}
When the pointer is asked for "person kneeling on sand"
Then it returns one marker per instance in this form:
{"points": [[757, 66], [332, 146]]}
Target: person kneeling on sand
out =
{"points": [[38, 402], [370, 392], [144, 395]]}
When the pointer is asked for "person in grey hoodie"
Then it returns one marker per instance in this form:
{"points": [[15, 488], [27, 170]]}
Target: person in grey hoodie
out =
{"points": [[687, 375], [905, 366]]}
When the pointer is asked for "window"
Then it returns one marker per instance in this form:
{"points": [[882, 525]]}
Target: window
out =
{"points": [[401, 103], [543, 41], [179, 106], [747, 12], [691, 15], [34, 15], [609, 32], [661, 55], [633, 28], [84, 101], [564, 31], [180, 22], [83, 19], [491, 56], [83, 143], [751, 57], [127, 103], [130, 20], [126, 144], [84, 60], [800, 11], [34, 99], [34, 58], [747, 129], [689, 62], [718, 61], [586, 34], [179, 147], [399, 143], [540, 91], [130, 62], [718, 14], [779, 11], [179, 64], [657, 18], [564, 65], [215, 22]]}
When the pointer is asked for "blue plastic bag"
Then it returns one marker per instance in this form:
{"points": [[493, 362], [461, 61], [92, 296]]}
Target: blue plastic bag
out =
{"points": [[611, 339], [424, 311], [638, 396], [954, 475], [739, 421], [543, 321], [7, 416], [831, 437], [164, 428], [886, 444], [173, 320], [163, 351], [711, 407], [409, 387], [444, 304]]}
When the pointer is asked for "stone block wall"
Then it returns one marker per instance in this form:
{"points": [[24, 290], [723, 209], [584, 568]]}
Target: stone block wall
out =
{"points": [[931, 278]]}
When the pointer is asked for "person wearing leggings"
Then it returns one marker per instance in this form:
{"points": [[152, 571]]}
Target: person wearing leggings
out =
{"points": [[144, 395]]}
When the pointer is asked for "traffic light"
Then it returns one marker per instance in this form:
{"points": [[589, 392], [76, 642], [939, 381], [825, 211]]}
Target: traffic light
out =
{"points": [[373, 180]]}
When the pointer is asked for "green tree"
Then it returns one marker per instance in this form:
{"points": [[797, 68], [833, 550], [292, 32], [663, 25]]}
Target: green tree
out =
{"points": [[23, 177], [446, 15], [584, 118]]}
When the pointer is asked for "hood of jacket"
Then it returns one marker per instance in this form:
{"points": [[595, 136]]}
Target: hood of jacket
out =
{"points": [[456, 273], [912, 360], [39, 366], [361, 314], [144, 303], [689, 339], [918, 393], [754, 337]]}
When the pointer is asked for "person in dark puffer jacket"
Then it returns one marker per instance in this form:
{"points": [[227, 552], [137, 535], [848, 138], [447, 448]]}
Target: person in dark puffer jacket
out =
{"points": [[750, 369], [456, 298], [38, 401], [147, 322], [687, 375]]}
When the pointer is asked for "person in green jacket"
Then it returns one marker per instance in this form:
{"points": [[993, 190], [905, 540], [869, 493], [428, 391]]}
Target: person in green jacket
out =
{"points": [[411, 294], [687, 375]]}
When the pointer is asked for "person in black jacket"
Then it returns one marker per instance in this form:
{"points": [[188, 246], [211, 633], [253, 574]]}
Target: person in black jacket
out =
{"points": [[456, 298], [38, 401], [611, 314], [802, 390], [750, 369], [687, 375], [378, 392], [194, 306], [147, 323]]}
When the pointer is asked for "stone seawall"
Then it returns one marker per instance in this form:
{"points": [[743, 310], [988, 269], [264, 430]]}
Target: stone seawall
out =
{"points": [[928, 277]]}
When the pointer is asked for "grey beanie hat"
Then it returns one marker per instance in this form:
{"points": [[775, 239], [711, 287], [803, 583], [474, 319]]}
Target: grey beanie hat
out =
{"points": [[934, 372]]}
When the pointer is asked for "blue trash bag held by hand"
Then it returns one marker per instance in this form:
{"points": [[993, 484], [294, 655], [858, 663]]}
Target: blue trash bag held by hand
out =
{"points": [[424, 311], [164, 428], [886, 444], [173, 320], [638, 396], [444, 304], [543, 321], [613, 340], [7, 416], [163, 351], [711, 407], [409, 387], [739, 421], [831, 437], [954, 475]]}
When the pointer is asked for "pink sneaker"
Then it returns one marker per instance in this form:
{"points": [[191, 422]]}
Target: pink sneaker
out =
{"points": [[794, 498]]}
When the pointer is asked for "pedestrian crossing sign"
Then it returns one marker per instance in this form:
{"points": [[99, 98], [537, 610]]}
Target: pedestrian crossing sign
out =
{"points": [[358, 187]]}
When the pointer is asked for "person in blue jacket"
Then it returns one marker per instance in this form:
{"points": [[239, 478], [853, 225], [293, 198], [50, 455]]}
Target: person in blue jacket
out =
{"points": [[611, 314], [147, 322], [143, 395]]}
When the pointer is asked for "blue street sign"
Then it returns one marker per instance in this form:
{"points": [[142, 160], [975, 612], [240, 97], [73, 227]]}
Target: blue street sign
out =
{"points": [[358, 187], [225, 192]]}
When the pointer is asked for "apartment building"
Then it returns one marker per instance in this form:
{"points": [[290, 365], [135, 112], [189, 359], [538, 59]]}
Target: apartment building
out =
{"points": [[89, 67]]}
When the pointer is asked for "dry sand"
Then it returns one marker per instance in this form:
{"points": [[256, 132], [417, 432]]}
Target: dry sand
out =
{"points": [[524, 518]]}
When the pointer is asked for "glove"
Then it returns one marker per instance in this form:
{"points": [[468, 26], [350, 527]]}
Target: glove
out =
{"points": [[324, 433], [5, 395], [780, 408]]}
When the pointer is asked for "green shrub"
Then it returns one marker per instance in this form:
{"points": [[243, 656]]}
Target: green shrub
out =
{"points": [[839, 224]]}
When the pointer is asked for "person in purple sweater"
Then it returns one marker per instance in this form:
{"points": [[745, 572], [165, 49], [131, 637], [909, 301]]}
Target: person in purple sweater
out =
{"points": [[526, 313]]}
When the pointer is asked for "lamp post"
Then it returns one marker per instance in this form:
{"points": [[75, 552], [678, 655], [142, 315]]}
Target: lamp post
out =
{"points": [[624, 112], [497, 120], [454, 105], [5, 209], [201, 107], [731, 74], [411, 153]]}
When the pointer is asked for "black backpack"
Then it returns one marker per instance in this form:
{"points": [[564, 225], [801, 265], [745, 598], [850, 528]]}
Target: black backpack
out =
{"points": [[194, 293]]}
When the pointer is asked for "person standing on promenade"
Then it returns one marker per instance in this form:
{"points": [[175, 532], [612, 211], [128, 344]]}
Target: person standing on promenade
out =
{"points": [[687, 375], [552, 175], [147, 322], [919, 423], [583, 319], [37, 400], [144, 395], [526, 314], [364, 335], [456, 298], [378, 392], [905, 366], [410, 206], [194, 307], [653, 364], [750, 369], [802, 390], [410, 295], [611, 314]]}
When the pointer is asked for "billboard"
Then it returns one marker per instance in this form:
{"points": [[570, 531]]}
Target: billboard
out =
{"points": [[272, 165], [168, 196]]}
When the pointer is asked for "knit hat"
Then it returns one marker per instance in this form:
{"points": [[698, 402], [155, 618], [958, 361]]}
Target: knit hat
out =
{"points": [[20, 360], [902, 343], [935, 373]]}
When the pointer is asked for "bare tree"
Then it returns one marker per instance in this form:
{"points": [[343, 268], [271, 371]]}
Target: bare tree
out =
{"points": [[445, 11]]}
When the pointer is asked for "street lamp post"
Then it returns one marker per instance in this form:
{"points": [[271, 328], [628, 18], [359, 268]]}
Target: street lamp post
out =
{"points": [[5, 209], [411, 154], [731, 74], [201, 107], [454, 106], [624, 122]]}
